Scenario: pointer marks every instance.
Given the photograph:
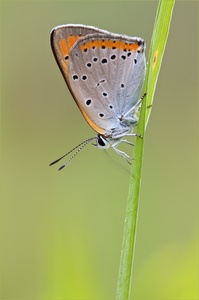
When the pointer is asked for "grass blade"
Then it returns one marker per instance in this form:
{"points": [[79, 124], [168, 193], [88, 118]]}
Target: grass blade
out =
{"points": [[157, 47]]}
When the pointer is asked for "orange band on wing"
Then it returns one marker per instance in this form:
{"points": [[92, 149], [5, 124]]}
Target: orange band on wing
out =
{"points": [[110, 44], [64, 47], [66, 44], [92, 124], [71, 40]]}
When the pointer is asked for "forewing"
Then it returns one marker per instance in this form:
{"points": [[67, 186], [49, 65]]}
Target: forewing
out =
{"points": [[62, 40]]}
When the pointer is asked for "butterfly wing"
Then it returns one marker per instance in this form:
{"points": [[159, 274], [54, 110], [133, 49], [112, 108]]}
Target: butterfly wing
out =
{"points": [[63, 38], [106, 74]]}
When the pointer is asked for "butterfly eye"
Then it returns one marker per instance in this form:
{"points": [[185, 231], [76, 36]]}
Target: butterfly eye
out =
{"points": [[102, 142]]}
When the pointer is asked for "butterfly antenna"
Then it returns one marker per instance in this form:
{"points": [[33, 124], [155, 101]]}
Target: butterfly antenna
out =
{"points": [[80, 147]]}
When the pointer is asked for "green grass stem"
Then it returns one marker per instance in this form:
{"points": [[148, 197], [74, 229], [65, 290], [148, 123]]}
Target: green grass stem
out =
{"points": [[157, 47]]}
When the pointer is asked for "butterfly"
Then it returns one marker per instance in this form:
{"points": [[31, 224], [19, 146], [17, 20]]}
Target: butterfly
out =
{"points": [[104, 72]]}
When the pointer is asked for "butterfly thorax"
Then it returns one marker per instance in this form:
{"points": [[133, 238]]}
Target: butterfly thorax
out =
{"points": [[124, 128]]}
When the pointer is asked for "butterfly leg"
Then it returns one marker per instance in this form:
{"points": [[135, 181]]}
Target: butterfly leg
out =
{"points": [[122, 153], [134, 134], [127, 142]]}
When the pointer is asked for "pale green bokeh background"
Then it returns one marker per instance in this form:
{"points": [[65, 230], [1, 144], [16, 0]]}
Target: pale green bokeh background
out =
{"points": [[61, 233]]}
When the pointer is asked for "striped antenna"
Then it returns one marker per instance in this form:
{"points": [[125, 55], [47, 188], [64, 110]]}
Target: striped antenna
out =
{"points": [[78, 147]]}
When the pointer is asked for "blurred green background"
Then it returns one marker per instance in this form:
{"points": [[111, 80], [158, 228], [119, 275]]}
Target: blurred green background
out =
{"points": [[61, 232]]}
